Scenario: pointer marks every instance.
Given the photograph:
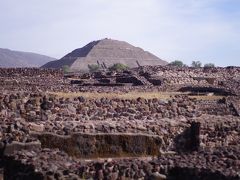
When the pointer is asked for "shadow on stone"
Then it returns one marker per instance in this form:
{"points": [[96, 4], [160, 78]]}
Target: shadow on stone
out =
{"points": [[189, 139]]}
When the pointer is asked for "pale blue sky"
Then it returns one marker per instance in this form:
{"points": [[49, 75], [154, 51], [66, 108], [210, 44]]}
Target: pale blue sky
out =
{"points": [[187, 30]]}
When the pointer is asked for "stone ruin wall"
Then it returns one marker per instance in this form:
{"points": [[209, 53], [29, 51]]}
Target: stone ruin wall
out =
{"points": [[175, 166], [171, 78], [164, 77], [30, 72], [31, 79], [23, 113], [205, 77], [28, 119]]}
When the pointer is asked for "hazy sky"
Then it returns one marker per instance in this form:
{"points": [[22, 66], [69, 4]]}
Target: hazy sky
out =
{"points": [[187, 30]]}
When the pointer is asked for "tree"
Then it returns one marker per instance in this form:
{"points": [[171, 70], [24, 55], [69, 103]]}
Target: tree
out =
{"points": [[118, 67], [66, 68], [93, 67], [209, 65], [196, 64], [177, 63]]}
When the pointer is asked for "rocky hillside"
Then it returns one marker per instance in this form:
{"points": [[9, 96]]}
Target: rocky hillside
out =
{"points": [[9, 58], [105, 53]]}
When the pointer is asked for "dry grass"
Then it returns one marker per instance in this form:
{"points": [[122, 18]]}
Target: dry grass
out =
{"points": [[129, 95], [132, 95]]}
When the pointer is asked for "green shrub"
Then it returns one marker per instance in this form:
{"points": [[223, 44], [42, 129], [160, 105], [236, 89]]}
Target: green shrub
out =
{"points": [[196, 64], [66, 68], [93, 67], [177, 63], [118, 67], [209, 65]]}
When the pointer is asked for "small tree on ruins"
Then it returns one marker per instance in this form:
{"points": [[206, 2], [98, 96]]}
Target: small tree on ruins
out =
{"points": [[177, 63], [93, 67], [209, 65], [66, 68], [118, 67], [196, 64]]}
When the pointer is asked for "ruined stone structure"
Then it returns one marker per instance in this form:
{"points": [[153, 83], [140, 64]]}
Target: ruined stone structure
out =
{"points": [[192, 134], [221, 81]]}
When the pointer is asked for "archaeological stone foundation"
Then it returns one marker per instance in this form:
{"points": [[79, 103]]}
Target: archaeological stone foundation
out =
{"points": [[150, 122]]}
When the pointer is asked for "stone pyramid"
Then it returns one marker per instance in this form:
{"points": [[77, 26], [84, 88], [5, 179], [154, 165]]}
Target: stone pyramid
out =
{"points": [[108, 52]]}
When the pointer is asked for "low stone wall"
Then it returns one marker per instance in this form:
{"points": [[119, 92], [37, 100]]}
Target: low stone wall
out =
{"points": [[32, 79], [218, 163], [103, 145], [30, 72], [165, 78], [218, 131], [9, 149], [186, 173], [40, 106], [196, 89]]}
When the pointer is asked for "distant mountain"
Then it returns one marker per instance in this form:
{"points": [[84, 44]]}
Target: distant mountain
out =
{"points": [[10, 58], [106, 52]]}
